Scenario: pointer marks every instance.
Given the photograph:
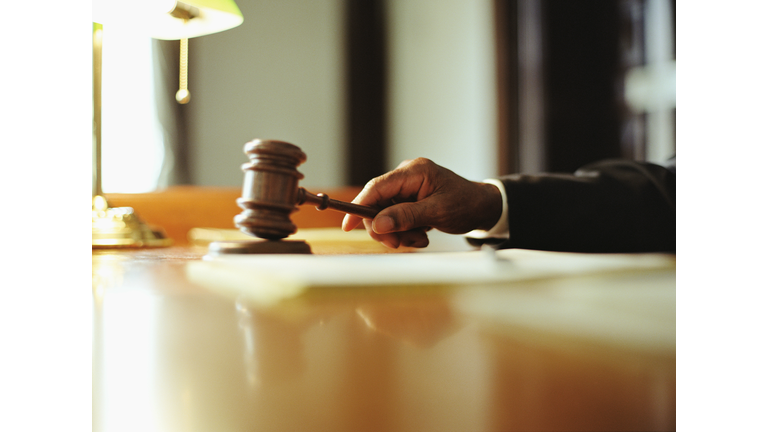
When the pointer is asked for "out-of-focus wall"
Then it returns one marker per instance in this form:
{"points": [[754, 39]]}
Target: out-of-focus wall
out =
{"points": [[279, 75], [441, 81]]}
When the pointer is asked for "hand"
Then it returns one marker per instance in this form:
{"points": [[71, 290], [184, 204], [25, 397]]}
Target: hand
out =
{"points": [[420, 195]]}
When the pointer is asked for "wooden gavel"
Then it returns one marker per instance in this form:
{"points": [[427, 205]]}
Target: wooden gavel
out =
{"points": [[271, 192]]}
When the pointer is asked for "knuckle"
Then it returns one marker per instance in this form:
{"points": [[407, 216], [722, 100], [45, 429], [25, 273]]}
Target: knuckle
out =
{"points": [[422, 162], [371, 184], [404, 163], [370, 193]]}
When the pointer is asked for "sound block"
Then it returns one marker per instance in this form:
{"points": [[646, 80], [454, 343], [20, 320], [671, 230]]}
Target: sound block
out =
{"points": [[259, 247]]}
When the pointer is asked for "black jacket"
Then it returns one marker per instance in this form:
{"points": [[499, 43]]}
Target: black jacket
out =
{"points": [[608, 206]]}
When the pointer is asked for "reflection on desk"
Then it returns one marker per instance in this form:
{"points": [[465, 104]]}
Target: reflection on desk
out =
{"points": [[539, 350]]}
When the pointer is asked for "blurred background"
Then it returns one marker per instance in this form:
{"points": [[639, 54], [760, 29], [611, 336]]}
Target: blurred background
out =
{"points": [[483, 87]]}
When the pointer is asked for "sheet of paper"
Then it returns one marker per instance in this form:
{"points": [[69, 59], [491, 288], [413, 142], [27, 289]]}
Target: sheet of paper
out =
{"points": [[264, 275]]}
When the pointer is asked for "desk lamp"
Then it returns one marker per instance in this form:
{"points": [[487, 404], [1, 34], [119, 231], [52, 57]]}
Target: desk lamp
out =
{"points": [[168, 20]]}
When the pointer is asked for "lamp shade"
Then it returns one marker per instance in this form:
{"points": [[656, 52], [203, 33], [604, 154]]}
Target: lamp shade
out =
{"points": [[154, 18], [214, 16]]}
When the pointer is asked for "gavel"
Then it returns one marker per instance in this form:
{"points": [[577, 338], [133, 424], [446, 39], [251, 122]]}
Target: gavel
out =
{"points": [[271, 192]]}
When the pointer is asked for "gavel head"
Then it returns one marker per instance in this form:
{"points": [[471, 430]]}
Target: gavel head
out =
{"points": [[270, 189]]}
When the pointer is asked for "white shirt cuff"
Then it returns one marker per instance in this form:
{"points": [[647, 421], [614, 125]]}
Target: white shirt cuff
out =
{"points": [[501, 229]]}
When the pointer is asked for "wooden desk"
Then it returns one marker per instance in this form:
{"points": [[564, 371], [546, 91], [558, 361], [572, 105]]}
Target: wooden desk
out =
{"points": [[585, 352]]}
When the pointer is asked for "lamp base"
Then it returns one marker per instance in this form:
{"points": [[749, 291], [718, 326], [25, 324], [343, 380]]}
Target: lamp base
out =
{"points": [[119, 227]]}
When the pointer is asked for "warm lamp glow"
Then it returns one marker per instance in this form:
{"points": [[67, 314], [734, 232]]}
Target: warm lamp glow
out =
{"points": [[160, 19]]}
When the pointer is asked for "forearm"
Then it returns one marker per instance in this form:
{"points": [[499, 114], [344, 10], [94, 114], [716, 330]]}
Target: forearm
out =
{"points": [[612, 206]]}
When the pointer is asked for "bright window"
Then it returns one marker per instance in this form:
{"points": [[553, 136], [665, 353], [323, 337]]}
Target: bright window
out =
{"points": [[132, 138]]}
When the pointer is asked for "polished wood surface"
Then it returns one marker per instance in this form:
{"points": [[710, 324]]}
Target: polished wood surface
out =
{"points": [[173, 354]]}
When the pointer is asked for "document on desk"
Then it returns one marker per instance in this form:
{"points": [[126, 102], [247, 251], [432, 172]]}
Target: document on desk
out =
{"points": [[266, 275]]}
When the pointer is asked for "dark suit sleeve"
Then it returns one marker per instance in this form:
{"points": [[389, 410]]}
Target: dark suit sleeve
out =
{"points": [[608, 206]]}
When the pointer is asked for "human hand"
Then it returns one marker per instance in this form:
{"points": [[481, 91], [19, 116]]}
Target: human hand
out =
{"points": [[420, 195]]}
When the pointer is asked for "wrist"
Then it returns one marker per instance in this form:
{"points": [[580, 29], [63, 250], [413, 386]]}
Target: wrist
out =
{"points": [[491, 206], [501, 228]]}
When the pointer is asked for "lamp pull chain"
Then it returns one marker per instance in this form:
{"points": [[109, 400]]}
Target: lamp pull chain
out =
{"points": [[183, 96]]}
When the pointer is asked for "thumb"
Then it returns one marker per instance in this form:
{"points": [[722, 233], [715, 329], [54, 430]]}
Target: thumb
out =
{"points": [[402, 217]]}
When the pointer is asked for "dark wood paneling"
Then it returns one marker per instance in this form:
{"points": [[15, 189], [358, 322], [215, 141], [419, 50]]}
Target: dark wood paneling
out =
{"points": [[366, 83], [507, 83], [583, 96]]}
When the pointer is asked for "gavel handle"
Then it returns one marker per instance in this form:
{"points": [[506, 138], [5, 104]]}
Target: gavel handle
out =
{"points": [[322, 202]]}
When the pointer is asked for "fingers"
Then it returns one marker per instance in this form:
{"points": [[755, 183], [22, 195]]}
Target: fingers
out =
{"points": [[391, 240], [400, 184], [403, 194], [403, 217], [368, 196], [384, 224], [406, 183], [412, 238], [350, 222]]}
